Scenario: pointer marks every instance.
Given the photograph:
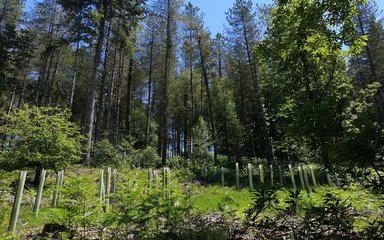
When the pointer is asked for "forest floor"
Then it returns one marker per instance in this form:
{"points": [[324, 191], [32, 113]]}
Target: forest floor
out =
{"points": [[212, 203]]}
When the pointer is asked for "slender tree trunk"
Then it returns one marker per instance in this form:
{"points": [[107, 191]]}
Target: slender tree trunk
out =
{"points": [[206, 83], [10, 106], [108, 104], [258, 98], [99, 128], [191, 78], [149, 108], [49, 52], [54, 79], [43, 94], [186, 126], [90, 111], [178, 140], [129, 97], [23, 87], [75, 69], [117, 111], [119, 94], [41, 77], [164, 100]]}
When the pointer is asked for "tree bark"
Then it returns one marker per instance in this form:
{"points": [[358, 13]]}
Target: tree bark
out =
{"points": [[73, 86], [149, 106], [164, 99], [90, 111], [258, 98], [129, 98], [208, 91], [99, 128]]}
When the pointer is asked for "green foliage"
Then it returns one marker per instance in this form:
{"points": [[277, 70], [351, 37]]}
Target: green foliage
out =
{"points": [[39, 137], [108, 154], [305, 72], [78, 208], [201, 140], [229, 128], [148, 158], [263, 198], [227, 200], [159, 213], [374, 230], [285, 213], [202, 163], [333, 218], [363, 138], [105, 154]]}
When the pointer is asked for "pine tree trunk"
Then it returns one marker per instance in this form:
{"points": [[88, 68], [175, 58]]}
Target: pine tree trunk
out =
{"points": [[164, 100], [149, 106], [73, 87], [23, 87], [206, 83], [258, 99], [54, 79], [129, 98], [90, 111], [101, 103]]}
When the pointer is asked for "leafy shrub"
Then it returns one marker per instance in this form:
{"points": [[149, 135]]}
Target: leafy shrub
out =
{"points": [[147, 158], [374, 230], [269, 218], [333, 219], [105, 154], [39, 137], [108, 154], [157, 214]]}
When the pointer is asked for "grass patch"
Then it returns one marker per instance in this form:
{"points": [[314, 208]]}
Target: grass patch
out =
{"points": [[218, 199]]}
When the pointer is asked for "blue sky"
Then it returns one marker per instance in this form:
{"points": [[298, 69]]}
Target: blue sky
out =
{"points": [[215, 10]]}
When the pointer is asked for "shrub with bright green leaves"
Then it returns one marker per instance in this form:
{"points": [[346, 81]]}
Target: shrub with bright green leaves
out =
{"points": [[107, 154], [39, 137]]}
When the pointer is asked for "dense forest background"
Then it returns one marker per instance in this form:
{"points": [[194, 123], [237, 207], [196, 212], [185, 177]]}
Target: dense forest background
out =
{"points": [[297, 80]]}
